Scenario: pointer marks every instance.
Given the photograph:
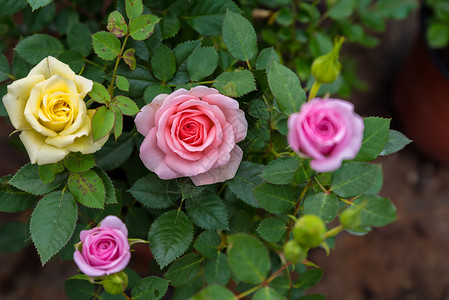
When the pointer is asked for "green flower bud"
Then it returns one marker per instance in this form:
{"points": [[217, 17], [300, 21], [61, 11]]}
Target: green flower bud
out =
{"points": [[350, 219], [326, 68], [115, 283], [293, 252], [309, 231]]}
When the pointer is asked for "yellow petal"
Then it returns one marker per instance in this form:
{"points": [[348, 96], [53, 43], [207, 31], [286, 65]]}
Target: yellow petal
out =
{"points": [[51, 66], [38, 150], [16, 99], [62, 141], [83, 85], [32, 108]]}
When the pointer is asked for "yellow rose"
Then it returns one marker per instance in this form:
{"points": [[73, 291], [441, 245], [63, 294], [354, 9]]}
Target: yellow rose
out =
{"points": [[48, 107]]}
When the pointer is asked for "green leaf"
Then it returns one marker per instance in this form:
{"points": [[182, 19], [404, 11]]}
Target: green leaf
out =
{"points": [[138, 222], [154, 192], [184, 269], [323, 205], [236, 83], [245, 180], [99, 93], [139, 79], [118, 124], [76, 289], [113, 154], [239, 36], [375, 136], [87, 188], [150, 288], [12, 6], [170, 25], [108, 186], [52, 223], [5, 69], [38, 46], [208, 211], [74, 59], [78, 162], [286, 88], [47, 173], [126, 106], [396, 9], [395, 142], [375, 211], [342, 9], [134, 8], [277, 199], [207, 244], [170, 236], [122, 83], [102, 122], [248, 258], [153, 90], [13, 237], [309, 278], [202, 62], [206, 16], [217, 270], [129, 58], [35, 4], [188, 189], [354, 178], [78, 38], [67, 251], [12, 199], [163, 63], [214, 292], [184, 50], [271, 229], [266, 58], [320, 43], [117, 24], [27, 179], [142, 27], [106, 45], [267, 293], [281, 170]]}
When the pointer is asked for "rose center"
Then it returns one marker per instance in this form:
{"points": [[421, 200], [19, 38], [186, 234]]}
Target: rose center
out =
{"points": [[56, 111]]}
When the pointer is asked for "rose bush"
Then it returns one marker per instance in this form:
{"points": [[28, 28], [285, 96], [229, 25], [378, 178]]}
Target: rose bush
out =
{"points": [[48, 107], [328, 131], [103, 250], [192, 133]]}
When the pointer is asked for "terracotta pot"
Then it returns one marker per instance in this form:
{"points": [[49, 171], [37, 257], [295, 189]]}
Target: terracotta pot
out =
{"points": [[422, 101]]}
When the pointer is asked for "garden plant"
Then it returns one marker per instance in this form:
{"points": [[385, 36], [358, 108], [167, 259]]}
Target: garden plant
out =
{"points": [[211, 131]]}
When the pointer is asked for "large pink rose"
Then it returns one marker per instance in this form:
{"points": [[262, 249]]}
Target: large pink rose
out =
{"points": [[192, 134], [328, 131], [103, 250]]}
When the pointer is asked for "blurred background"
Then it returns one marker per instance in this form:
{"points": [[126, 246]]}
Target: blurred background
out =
{"points": [[408, 259]]}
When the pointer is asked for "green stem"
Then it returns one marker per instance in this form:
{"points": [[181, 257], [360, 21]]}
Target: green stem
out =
{"points": [[321, 186], [126, 296], [93, 64], [334, 231], [249, 65], [111, 87], [315, 87], [297, 207], [248, 292]]}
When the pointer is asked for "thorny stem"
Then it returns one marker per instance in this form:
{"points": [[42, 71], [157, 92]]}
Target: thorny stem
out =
{"points": [[264, 283], [111, 86], [297, 207]]}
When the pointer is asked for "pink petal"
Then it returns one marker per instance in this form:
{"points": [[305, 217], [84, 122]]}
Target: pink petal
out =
{"points": [[114, 222], [201, 91], [191, 168], [145, 118], [85, 267], [223, 173]]}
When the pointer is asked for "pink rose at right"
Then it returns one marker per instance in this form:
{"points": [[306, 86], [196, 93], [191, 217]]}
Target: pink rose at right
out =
{"points": [[326, 130]]}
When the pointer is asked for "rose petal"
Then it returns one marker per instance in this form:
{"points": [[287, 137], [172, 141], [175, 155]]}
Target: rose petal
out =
{"points": [[223, 173], [145, 118], [50, 66], [85, 267], [83, 85], [38, 150], [16, 98], [114, 222], [201, 91], [189, 168]]}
